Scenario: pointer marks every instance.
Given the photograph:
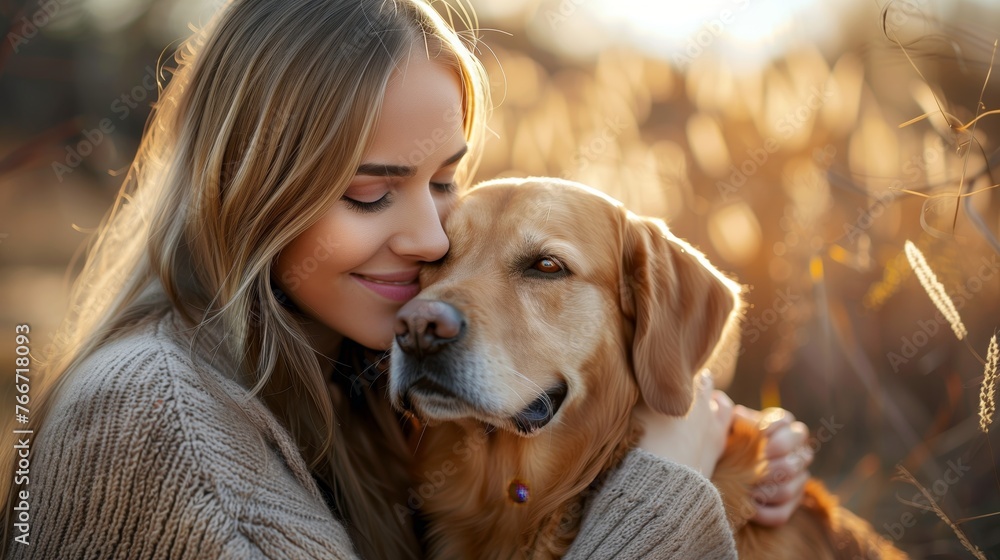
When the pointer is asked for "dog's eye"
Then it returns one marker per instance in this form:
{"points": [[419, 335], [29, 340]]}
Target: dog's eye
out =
{"points": [[547, 265]]}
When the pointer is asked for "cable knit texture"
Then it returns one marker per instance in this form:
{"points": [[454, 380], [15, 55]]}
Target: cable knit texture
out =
{"points": [[651, 508], [138, 459]]}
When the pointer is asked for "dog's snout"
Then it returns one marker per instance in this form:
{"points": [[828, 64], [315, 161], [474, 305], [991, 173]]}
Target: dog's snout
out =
{"points": [[425, 327]]}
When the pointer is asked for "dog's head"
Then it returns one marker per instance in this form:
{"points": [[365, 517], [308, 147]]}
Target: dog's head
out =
{"points": [[546, 279]]}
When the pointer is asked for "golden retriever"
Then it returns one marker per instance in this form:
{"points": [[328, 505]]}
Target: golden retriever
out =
{"points": [[526, 352]]}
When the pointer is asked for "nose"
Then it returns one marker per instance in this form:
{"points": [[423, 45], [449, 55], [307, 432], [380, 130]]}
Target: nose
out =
{"points": [[425, 326], [421, 235]]}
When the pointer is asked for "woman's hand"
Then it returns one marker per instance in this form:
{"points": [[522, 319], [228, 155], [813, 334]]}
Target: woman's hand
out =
{"points": [[788, 455], [696, 440]]}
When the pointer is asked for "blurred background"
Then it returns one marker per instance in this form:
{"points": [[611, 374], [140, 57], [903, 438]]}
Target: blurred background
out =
{"points": [[784, 139]]}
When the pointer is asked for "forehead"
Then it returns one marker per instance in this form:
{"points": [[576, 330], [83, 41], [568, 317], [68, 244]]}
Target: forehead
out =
{"points": [[563, 219], [421, 114]]}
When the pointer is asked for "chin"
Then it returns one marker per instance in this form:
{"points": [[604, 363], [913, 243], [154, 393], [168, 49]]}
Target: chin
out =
{"points": [[376, 333]]}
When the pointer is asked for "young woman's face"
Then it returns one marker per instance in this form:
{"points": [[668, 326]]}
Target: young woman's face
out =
{"points": [[354, 268]]}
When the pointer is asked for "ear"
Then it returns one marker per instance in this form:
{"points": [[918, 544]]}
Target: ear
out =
{"points": [[680, 305]]}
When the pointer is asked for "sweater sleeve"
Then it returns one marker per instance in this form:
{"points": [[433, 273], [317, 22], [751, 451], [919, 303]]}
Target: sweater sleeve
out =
{"points": [[137, 460], [653, 508]]}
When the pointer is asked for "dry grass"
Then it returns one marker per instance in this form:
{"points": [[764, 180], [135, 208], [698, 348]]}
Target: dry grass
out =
{"points": [[988, 390], [905, 475], [935, 290]]}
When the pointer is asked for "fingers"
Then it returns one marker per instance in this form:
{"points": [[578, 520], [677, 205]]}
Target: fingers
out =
{"points": [[784, 434], [784, 439], [767, 420], [773, 516], [780, 491], [776, 502], [774, 419], [788, 466]]}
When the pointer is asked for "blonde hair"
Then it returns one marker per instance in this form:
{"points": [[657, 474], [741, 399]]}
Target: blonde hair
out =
{"points": [[262, 125]]}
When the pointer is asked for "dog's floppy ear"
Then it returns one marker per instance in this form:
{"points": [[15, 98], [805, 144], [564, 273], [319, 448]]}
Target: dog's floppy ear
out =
{"points": [[680, 305]]}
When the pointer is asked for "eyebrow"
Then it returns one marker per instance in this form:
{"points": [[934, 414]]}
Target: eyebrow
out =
{"points": [[389, 170]]}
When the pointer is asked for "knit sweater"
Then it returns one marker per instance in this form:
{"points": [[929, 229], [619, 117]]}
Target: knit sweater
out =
{"points": [[139, 459]]}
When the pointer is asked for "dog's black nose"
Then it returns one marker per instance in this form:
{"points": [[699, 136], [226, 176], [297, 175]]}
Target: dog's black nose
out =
{"points": [[426, 326]]}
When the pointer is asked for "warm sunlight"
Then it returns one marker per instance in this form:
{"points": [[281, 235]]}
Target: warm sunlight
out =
{"points": [[839, 160], [746, 33]]}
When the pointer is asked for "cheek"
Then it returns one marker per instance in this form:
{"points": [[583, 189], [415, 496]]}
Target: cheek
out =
{"points": [[337, 243]]}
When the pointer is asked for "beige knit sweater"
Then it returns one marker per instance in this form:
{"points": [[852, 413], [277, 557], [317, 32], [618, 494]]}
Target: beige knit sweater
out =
{"points": [[140, 460]]}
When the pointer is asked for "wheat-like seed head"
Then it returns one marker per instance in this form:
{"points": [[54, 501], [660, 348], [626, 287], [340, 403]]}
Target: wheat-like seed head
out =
{"points": [[988, 390], [935, 289]]}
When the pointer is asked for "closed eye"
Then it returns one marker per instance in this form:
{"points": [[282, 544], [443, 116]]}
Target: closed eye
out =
{"points": [[368, 207]]}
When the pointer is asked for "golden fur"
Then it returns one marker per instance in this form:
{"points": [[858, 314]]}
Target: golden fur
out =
{"points": [[634, 312]]}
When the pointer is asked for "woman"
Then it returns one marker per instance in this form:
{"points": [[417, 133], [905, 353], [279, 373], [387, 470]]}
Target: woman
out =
{"points": [[204, 395]]}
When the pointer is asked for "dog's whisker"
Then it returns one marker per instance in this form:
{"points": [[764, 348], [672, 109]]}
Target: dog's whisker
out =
{"points": [[423, 430], [511, 389], [541, 392], [531, 383]]}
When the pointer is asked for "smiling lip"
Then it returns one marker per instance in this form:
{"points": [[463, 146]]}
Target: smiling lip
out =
{"points": [[396, 286]]}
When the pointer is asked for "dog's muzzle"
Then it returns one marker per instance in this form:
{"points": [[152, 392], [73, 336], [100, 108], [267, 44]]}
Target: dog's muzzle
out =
{"points": [[428, 333], [425, 329]]}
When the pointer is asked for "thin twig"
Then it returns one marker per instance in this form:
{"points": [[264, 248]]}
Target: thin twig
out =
{"points": [[906, 476]]}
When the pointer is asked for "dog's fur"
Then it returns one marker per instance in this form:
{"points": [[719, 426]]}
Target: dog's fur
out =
{"points": [[634, 314]]}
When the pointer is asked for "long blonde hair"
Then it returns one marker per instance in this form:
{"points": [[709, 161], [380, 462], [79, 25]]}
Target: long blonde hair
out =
{"points": [[261, 126]]}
